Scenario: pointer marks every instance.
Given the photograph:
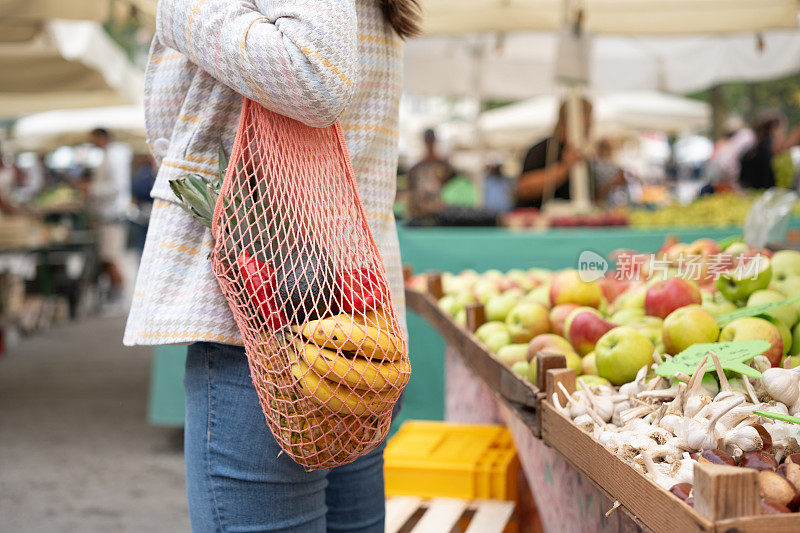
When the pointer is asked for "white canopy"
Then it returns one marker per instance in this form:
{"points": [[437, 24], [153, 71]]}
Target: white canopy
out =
{"points": [[519, 125], [520, 65], [621, 17], [46, 131], [65, 64]]}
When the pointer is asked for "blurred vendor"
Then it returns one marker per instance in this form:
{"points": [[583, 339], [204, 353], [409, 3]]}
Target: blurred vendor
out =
{"points": [[546, 167], [771, 142], [426, 179]]}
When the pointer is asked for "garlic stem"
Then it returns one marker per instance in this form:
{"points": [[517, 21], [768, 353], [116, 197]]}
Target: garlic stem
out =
{"points": [[750, 391], [723, 379]]}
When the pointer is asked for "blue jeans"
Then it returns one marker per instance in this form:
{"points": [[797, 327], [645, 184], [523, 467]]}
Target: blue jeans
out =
{"points": [[236, 477]]}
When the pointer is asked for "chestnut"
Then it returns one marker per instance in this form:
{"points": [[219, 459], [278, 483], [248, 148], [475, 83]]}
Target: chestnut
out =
{"points": [[769, 506], [690, 501], [758, 461], [682, 490], [782, 469], [717, 457], [793, 458], [766, 438], [778, 488]]}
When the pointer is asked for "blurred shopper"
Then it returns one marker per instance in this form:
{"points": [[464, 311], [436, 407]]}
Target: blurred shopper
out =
{"points": [[722, 170], [771, 140], [144, 177], [498, 190], [10, 175], [611, 187], [110, 196], [426, 180], [546, 167]]}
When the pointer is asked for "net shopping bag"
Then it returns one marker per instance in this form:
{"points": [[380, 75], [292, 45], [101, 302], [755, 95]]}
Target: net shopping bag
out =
{"points": [[297, 263]]}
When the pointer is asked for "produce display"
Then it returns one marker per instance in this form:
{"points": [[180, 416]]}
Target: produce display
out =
{"points": [[629, 334]]}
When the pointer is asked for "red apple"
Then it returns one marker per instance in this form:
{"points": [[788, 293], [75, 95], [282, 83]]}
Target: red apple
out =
{"points": [[665, 296], [558, 315], [613, 287], [547, 341], [704, 247], [568, 287], [584, 326]]}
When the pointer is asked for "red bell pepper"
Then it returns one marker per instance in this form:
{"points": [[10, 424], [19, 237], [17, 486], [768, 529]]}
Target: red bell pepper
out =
{"points": [[362, 289], [259, 283]]}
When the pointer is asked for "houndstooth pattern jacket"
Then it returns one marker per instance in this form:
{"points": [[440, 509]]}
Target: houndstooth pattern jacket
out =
{"points": [[312, 60]]}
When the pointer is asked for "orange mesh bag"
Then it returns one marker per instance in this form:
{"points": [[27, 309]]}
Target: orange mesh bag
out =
{"points": [[297, 263]]}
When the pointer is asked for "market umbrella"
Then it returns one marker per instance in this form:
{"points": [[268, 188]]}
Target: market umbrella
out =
{"points": [[65, 64], [619, 17], [42, 132]]}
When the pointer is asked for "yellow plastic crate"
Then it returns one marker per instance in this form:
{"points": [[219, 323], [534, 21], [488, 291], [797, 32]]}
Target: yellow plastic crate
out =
{"points": [[437, 459]]}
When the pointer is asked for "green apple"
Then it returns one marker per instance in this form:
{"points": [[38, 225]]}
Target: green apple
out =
{"points": [[795, 349], [785, 267], [588, 365], [483, 332], [567, 287], [532, 371], [786, 333], [521, 368], [574, 362], [484, 290], [736, 248], [620, 353], [591, 381], [687, 326], [786, 314], [716, 303], [633, 298], [497, 340], [623, 317], [498, 307], [527, 320], [461, 318], [540, 294], [512, 353], [739, 283], [754, 328]]}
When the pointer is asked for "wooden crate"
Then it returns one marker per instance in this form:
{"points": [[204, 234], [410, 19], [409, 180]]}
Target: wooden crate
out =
{"points": [[409, 514], [726, 498], [512, 388]]}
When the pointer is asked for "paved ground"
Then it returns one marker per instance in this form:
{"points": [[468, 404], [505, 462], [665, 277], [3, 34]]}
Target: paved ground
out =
{"points": [[76, 453]]}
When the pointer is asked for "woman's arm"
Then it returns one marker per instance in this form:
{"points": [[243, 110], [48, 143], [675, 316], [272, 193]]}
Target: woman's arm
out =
{"points": [[532, 183], [295, 57]]}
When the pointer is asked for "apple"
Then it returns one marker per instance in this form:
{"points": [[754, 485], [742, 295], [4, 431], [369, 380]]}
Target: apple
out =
{"points": [[633, 298], [540, 294], [620, 353], [512, 353], [786, 314], [461, 318], [687, 326], [584, 326], [739, 283], [527, 320], [558, 315], [786, 333], [521, 279], [484, 290], [498, 307], [794, 361], [612, 288], [753, 328], [450, 304], [549, 342], [736, 248], [716, 303], [703, 247], [521, 368], [785, 266], [567, 287], [795, 349], [591, 381], [588, 365], [663, 297], [496, 340], [488, 328], [626, 316]]}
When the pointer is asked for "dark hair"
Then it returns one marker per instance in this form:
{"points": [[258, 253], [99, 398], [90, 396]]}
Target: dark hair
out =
{"points": [[403, 15], [101, 132], [429, 135]]}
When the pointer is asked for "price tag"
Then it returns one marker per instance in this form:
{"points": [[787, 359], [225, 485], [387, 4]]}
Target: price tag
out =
{"points": [[753, 310], [732, 356], [778, 416]]}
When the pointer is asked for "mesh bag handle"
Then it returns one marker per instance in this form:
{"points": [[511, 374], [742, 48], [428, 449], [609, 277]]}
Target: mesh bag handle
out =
{"points": [[298, 265]]}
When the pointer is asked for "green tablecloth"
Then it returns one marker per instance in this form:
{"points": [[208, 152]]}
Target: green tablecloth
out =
{"points": [[453, 250]]}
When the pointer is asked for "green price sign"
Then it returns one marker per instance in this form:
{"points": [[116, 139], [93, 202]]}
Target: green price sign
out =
{"points": [[732, 356], [778, 416], [753, 310]]}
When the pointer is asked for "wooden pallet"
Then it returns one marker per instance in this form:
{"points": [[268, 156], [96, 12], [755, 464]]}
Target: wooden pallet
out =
{"points": [[409, 514]]}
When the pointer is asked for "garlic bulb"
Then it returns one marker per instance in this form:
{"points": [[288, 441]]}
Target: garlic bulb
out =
{"points": [[782, 384], [674, 424], [602, 405], [742, 439], [655, 474], [700, 434], [637, 385]]}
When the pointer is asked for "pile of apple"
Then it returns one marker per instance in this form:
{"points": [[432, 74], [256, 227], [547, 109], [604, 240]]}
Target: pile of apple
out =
{"points": [[609, 328]]}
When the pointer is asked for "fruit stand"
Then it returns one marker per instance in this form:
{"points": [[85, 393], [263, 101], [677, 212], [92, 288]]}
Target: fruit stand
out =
{"points": [[742, 475]]}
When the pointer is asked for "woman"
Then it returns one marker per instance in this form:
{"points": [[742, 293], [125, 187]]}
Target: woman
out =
{"points": [[757, 169], [316, 62]]}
